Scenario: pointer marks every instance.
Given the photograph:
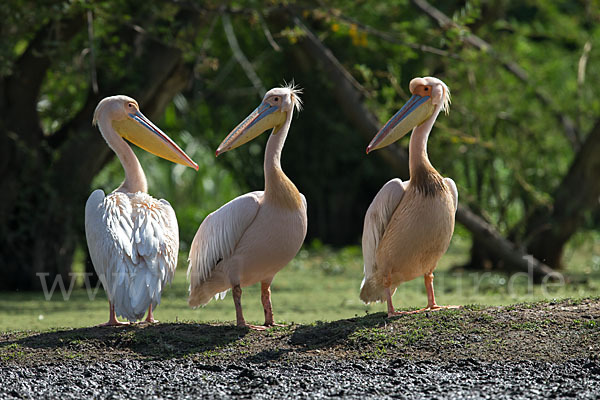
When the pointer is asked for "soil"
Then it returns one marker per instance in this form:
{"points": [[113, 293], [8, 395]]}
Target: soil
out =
{"points": [[537, 350]]}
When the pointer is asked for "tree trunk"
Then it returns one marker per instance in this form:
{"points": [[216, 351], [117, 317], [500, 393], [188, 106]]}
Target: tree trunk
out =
{"points": [[349, 99], [548, 229], [27, 195], [578, 194], [46, 179]]}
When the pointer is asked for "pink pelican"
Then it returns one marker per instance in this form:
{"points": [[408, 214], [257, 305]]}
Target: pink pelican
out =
{"points": [[408, 226], [254, 236], [133, 238]]}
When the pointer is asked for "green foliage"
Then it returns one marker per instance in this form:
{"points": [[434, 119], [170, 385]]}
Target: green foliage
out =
{"points": [[503, 146], [319, 285]]}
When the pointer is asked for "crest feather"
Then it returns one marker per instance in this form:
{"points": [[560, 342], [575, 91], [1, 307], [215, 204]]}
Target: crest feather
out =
{"points": [[296, 91], [446, 100]]}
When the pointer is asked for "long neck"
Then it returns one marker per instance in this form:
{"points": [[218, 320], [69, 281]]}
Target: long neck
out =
{"points": [[417, 155], [278, 187], [423, 175], [135, 180]]}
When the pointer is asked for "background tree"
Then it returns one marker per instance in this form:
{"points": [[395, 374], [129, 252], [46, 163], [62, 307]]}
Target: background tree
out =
{"points": [[50, 152], [521, 141]]}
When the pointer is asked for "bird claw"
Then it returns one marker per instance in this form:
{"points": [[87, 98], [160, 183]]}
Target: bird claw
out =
{"points": [[397, 313], [277, 325], [113, 323], [435, 307], [260, 327], [257, 327], [271, 324]]}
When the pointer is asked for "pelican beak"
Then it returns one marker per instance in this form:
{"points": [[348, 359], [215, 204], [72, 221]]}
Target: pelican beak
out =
{"points": [[416, 111], [140, 131], [265, 117]]}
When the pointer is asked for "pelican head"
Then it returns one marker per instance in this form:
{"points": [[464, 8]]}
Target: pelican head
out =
{"points": [[127, 120], [429, 96], [272, 112]]}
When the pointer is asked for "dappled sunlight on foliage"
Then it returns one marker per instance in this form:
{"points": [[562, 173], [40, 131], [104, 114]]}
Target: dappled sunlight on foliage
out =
{"points": [[524, 103]]}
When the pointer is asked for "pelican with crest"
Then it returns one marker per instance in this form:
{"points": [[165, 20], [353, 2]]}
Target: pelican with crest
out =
{"points": [[254, 236], [133, 239], [408, 226]]}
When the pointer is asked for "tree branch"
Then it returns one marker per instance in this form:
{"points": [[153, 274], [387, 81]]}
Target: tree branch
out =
{"points": [[445, 22], [581, 67], [93, 74], [350, 101], [241, 57], [515, 257], [577, 194], [267, 33], [348, 94], [23, 86], [168, 76], [388, 37]]}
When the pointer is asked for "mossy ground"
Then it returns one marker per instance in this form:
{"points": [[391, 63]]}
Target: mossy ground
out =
{"points": [[320, 284], [542, 331]]}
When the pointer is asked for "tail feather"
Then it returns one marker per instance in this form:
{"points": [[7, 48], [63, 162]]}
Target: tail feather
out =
{"points": [[202, 293], [371, 291]]}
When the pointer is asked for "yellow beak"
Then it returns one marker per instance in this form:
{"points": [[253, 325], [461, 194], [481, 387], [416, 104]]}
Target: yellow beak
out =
{"points": [[140, 131], [416, 111], [266, 116]]}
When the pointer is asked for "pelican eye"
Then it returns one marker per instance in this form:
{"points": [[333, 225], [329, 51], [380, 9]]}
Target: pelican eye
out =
{"points": [[276, 99], [426, 88]]}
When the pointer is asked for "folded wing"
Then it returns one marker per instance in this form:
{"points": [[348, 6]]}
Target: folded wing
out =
{"points": [[219, 234], [376, 220], [133, 241]]}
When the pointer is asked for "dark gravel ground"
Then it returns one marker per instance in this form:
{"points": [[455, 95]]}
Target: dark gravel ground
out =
{"points": [[461, 379], [525, 351]]}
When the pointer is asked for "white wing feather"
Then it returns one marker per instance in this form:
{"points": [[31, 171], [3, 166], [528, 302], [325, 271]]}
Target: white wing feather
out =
{"points": [[454, 191], [376, 220], [133, 241], [219, 234]]}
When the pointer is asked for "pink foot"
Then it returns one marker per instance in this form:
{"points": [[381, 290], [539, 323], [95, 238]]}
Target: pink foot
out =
{"points": [[397, 313], [113, 323], [257, 327], [112, 318], [150, 318], [274, 324], [435, 307]]}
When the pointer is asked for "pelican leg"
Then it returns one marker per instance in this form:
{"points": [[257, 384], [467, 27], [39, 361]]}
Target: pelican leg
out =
{"points": [[265, 297], [391, 311], [150, 317], [237, 301], [431, 304], [265, 289], [390, 306], [112, 318]]}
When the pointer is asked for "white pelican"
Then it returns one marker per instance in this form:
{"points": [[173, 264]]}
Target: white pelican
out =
{"points": [[408, 226], [133, 238], [251, 238]]}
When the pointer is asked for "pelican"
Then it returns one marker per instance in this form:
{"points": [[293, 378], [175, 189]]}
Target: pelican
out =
{"points": [[254, 236], [132, 238], [408, 226]]}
